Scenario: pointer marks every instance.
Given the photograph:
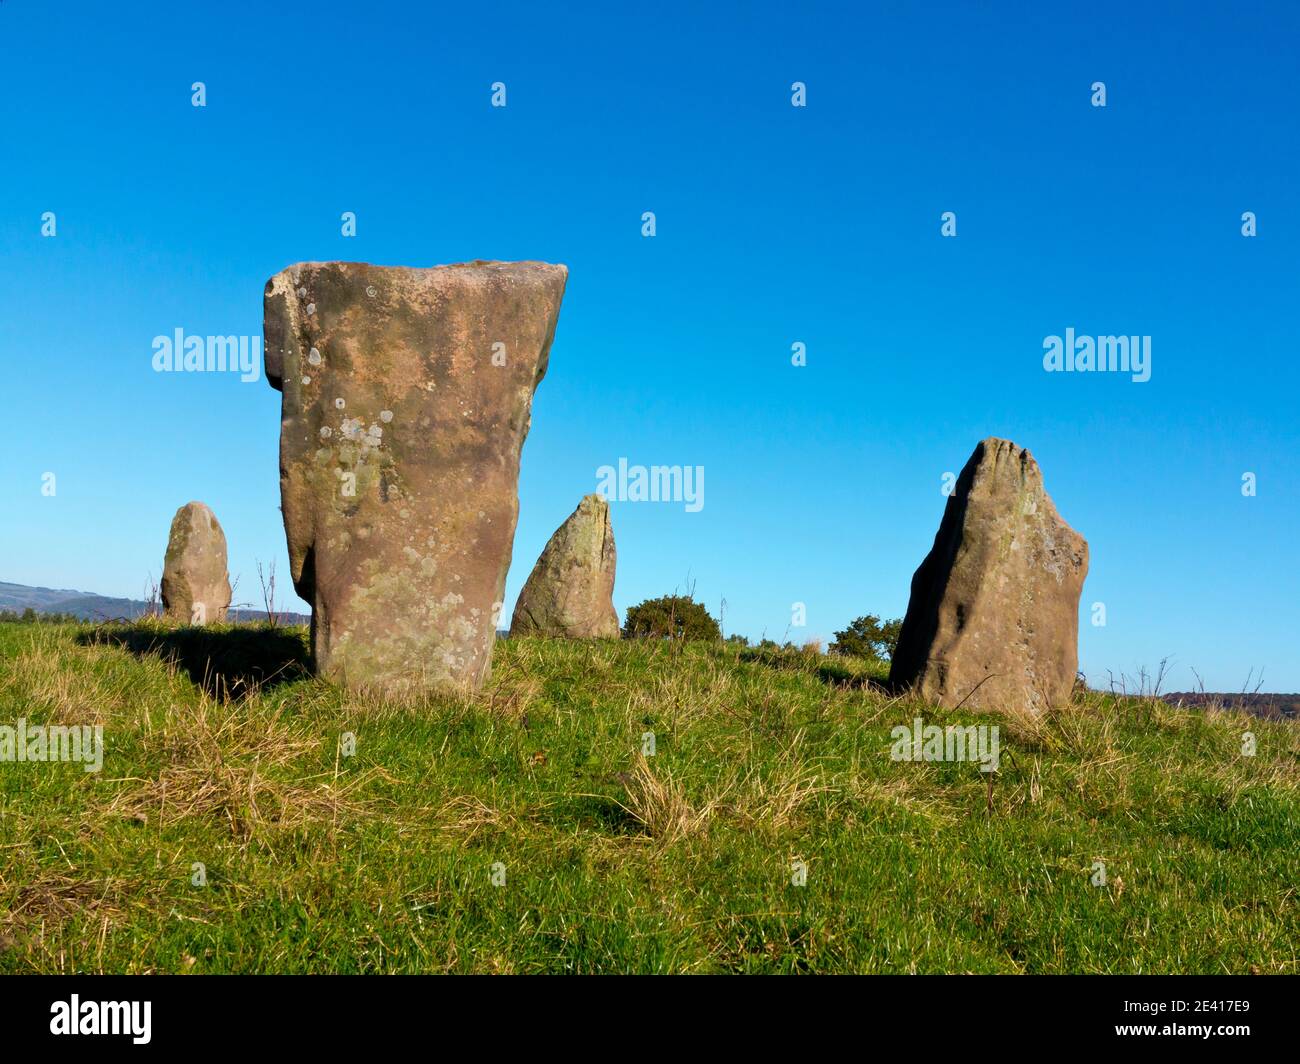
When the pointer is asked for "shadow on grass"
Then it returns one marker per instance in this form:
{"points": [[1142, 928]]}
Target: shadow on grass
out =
{"points": [[598, 812], [852, 674], [227, 661]]}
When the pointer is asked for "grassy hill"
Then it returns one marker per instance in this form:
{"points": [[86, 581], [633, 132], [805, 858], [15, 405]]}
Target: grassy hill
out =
{"points": [[220, 751]]}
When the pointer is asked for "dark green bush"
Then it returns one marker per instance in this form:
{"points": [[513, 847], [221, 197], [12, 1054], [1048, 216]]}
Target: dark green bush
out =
{"points": [[670, 616], [30, 616], [868, 637]]}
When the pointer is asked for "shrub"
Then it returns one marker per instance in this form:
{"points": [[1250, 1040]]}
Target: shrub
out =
{"points": [[868, 637], [30, 616], [670, 617]]}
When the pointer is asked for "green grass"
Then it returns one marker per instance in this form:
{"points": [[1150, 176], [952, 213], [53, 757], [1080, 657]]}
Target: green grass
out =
{"points": [[220, 750]]}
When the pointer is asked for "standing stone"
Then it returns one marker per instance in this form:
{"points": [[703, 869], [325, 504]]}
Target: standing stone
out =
{"points": [[195, 585], [406, 399], [569, 593], [993, 621]]}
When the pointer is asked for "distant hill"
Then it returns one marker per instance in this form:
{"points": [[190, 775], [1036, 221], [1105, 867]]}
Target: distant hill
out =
{"points": [[1273, 706], [91, 607]]}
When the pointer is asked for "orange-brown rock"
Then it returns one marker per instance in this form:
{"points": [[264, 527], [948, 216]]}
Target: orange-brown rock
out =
{"points": [[993, 621], [569, 593], [406, 400], [195, 584]]}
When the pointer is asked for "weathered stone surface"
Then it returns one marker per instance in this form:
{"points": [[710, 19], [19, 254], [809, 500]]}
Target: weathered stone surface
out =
{"points": [[406, 399], [195, 584], [993, 621], [569, 593]]}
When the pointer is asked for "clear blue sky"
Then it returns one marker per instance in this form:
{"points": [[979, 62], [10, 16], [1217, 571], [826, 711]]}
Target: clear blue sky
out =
{"points": [[776, 225]]}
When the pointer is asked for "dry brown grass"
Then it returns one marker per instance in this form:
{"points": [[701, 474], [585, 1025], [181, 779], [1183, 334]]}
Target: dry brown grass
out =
{"points": [[93, 693], [910, 792], [38, 902], [774, 798], [469, 816], [512, 693], [660, 805], [220, 762]]}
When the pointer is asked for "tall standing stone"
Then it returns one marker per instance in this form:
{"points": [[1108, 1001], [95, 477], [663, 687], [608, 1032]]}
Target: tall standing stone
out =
{"points": [[569, 593], [406, 399], [993, 621], [195, 584]]}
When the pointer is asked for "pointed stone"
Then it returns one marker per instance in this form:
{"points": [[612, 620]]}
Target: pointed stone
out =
{"points": [[406, 400], [195, 584], [993, 621], [569, 593]]}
